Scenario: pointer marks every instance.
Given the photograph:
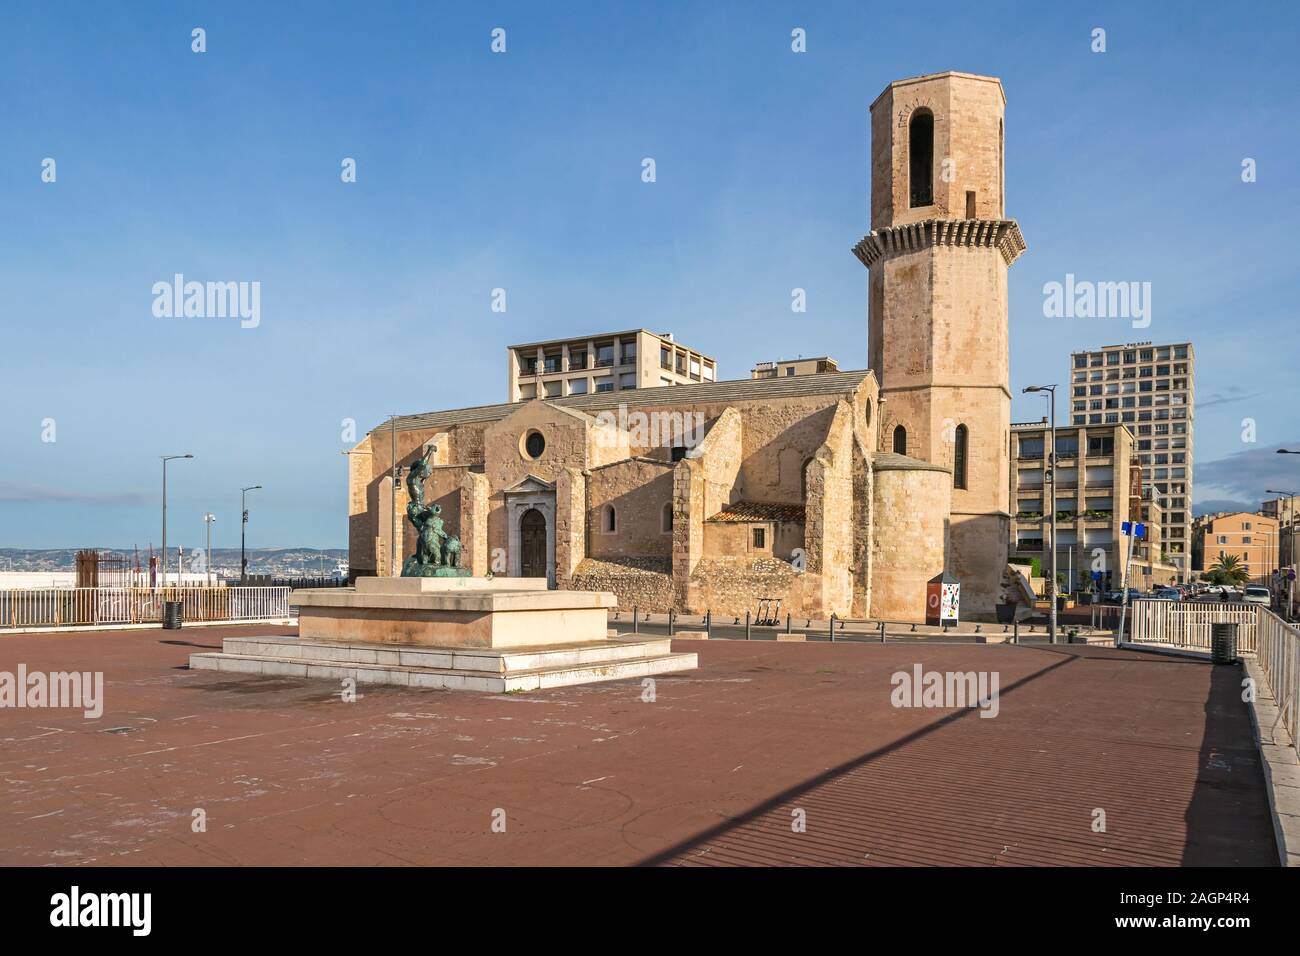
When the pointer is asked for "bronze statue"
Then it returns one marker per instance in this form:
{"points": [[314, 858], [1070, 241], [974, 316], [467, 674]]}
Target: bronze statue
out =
{"points": [[437, 553]]}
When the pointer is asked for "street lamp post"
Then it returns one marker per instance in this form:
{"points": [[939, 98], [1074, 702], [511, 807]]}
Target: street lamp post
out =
{"points": [[243, 524], [1291, 555], [165, 459], [1051, 471], [207, 562]]}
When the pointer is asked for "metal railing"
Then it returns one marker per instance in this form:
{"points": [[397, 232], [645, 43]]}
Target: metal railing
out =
{"points": [[1278, 653], [71, 607], [1104, 617], [1188, 624]]}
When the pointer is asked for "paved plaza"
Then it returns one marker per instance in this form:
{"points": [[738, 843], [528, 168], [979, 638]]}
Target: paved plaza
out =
{"points": [[718, 770]]}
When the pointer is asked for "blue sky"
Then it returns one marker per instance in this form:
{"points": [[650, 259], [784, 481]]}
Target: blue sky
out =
{"points": [[522, 171]]}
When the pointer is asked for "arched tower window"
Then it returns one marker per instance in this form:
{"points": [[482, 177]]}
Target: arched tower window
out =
{"points": [[959, 443], [608, 520], [920, 156], [900, 440]]}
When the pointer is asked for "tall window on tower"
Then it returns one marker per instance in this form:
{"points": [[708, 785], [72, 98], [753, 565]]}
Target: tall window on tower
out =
{"points": [[920, 152], [959, 443], [900, 440]]}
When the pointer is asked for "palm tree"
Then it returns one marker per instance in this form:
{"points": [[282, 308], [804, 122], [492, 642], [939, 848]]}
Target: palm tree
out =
{"points": [[1228, 568]]}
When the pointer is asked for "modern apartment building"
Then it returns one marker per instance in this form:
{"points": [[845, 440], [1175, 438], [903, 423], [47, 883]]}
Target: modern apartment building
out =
{"points": [[799, 366], [1150, 389], [609, 362], [1252, 538], [1097, 477]]}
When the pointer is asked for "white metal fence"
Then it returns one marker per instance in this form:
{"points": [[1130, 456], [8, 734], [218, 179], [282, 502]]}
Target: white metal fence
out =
{"points": [[69, 607], [1279, 657], [1187, 624]]}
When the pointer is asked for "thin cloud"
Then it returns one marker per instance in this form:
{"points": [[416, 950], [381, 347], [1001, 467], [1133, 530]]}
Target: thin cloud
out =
{"points": [[1228, 399], [24, 493], [1245, 477]]}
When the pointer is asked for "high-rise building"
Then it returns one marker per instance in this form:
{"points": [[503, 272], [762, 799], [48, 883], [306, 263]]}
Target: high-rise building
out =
{"points": [[609, 362], [1151, 390]]}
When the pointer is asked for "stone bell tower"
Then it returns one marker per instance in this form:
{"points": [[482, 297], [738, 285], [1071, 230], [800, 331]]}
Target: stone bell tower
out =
{"points": [[938, 253]]}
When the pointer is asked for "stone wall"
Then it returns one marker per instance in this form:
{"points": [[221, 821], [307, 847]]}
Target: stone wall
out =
{"points": [[473, 523], [642, 583], [637, 490], [734, 586], [910, 515], [571, 530]]}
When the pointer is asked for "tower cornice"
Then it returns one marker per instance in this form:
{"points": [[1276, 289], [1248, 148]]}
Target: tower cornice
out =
{"points": [[1002, 234]]}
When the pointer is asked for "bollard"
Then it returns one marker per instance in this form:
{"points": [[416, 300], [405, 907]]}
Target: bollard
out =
{"points": [[746, 625], [1015, 632], [708, 623], [787, 622], [832, 627], [635, 622], [882, 632], [672, 616]]}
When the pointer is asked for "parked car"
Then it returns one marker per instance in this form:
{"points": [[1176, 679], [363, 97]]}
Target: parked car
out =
{"points": [[1254, 594], [1168, 594], [1117, 597], [1214, 590]]}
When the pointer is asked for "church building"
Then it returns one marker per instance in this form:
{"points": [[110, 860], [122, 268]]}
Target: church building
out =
{"points": [[836, 491]]}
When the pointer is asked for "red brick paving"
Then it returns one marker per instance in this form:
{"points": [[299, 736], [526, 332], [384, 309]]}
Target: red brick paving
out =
{"points": [[707, 774]]}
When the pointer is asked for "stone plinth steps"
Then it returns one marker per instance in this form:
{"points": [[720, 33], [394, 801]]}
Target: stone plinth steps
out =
{"points": [[450, 634]]}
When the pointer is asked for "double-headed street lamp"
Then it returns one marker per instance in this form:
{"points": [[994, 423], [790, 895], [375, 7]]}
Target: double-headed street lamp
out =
{"points": [[165, 459], [1051, 473], [243, 524], [207, 558]]}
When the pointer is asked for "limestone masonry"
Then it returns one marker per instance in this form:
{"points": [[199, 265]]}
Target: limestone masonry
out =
{"points": [[838, 491]]}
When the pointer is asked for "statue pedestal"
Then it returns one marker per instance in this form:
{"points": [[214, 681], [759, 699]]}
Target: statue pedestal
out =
{"points": [[453, 633]]}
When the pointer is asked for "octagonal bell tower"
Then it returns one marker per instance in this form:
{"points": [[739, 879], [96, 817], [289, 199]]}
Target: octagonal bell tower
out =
{"points": [[938, 254]]}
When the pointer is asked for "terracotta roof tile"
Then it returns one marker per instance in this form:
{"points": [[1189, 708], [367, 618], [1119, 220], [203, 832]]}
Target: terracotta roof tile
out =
{"points": [[742, 511]]}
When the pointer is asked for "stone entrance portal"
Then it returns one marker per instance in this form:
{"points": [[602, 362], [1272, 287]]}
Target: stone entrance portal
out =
{"points": [[530, 511], [532, 544]]}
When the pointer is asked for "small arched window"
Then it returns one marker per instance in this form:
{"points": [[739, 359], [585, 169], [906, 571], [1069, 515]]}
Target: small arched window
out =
{"points": [[959, 443], [920, 157], [609, 520], [900, 440], [666, 521]]}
